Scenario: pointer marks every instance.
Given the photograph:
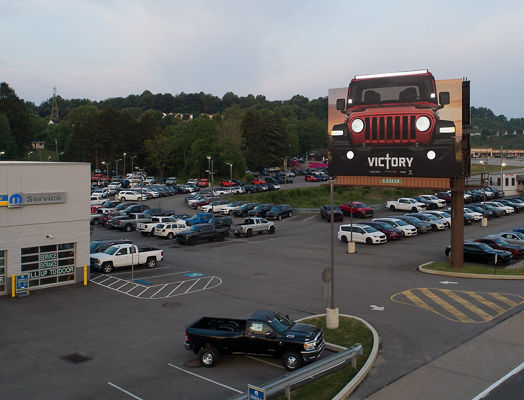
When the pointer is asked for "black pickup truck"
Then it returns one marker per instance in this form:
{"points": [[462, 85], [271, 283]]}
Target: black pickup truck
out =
{"points": [[200, 232], [266, 332]]}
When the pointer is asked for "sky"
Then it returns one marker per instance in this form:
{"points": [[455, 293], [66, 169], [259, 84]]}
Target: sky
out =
{"points": [[99, 49]]}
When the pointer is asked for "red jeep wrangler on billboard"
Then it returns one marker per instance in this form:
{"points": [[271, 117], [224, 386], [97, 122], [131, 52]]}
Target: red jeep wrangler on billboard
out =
{"points": [[392, 128]]}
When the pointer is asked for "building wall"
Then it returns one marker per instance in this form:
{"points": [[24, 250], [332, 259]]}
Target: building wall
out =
{"points": [[45, 224]]}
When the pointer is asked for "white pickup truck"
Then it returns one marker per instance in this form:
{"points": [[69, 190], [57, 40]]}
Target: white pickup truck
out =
{"points": [[125, 255], [148, 227], [253, 225], [405, 203]]}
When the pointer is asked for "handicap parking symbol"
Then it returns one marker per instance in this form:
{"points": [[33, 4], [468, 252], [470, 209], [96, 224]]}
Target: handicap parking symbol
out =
{"points": [[194, 274]]}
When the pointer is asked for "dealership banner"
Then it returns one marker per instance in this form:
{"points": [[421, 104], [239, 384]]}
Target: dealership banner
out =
{"points": [[403, 124]]}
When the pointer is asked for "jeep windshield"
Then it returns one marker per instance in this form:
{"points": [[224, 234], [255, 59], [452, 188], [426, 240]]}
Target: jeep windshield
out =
{"points": [[404, 89]]}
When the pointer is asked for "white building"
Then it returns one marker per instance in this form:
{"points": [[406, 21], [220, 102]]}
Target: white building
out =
{"points": [[44, 223]]}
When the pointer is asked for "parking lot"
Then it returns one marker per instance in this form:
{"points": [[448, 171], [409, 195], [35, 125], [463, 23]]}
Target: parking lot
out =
{"points": [[122, 335]]}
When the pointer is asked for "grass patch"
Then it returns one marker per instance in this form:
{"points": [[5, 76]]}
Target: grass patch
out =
{"points": [[350, 331], [317, 196], [477, 169], [474, 269]]}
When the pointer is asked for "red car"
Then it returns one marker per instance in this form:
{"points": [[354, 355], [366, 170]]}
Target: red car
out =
{"points": [[257, 181], [358, 209], [311, 178], [500, 244], [203, 182], [227, 183]]}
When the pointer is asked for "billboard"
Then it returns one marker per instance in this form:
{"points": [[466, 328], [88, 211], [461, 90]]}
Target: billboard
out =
{"points": [[404, 124]]}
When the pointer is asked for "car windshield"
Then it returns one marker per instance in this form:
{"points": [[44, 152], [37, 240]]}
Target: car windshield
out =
{"points": [[361, 205], [111, 250], [519, 235], [433, 217], [399, 89], [93, 246], [401, 223], [369, 229], [500, 242], [280, 323], [386, 224], [484, 247]]}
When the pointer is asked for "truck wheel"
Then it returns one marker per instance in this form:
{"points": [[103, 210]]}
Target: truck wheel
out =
{"points": [[151, 262], [271, 229], [107, 268], [392, 207], [249, 232], [127, 228], [292, 361], [208, 357], [170, 236]]}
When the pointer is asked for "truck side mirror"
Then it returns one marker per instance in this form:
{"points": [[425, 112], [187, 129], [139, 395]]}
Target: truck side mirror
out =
{"points": [[443, 99], [341, 104]]}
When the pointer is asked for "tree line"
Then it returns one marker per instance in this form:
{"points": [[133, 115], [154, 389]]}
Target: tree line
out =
{"points": [[166, 134]]}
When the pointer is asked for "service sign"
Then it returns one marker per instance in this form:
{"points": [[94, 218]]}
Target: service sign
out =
{"points": [[17, 200], [396, 125]]}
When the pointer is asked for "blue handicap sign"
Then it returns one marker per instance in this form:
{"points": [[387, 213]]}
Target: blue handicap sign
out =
{"points": [[194, 274], [255, 393]]}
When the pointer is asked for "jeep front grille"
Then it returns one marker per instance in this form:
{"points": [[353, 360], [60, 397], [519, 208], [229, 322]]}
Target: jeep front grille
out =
{"points": [[390, 130]]}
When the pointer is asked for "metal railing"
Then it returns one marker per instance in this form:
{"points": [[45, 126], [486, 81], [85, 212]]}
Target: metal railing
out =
{"points": [[317, 367]]}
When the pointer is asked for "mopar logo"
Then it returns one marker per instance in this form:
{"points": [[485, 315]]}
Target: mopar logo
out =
{"points": [[16, 200]]}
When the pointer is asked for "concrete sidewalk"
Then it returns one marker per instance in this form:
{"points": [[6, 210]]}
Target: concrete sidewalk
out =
{"points": [[465, 371]]}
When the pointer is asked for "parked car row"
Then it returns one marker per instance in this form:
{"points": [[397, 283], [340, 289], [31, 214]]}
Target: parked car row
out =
{"points": [[496, 249]]}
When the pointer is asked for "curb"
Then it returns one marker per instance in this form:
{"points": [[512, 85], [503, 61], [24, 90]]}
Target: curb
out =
{"points": [[421, 268], [359, 377]]}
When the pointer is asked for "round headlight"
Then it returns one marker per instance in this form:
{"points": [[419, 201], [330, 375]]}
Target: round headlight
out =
{"points": [[423, 123], [357, 125], [431, 155], [350, 155]]}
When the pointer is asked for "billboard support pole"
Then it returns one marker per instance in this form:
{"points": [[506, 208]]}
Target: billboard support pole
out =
{"points": [[457, 222]]}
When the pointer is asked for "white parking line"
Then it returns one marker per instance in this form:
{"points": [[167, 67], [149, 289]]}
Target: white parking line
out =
{"points": [[143, 291], [307, 219], [163, 286], [124, 391], [190, 287], [501, 380], [180, 284], [206, 379], [157, 276]]}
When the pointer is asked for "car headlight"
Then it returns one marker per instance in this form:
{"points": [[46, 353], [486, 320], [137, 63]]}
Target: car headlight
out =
{"points": [[357, 125], [308, 346], [423, 123]]}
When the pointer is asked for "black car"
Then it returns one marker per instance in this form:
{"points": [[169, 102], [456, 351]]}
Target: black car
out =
{"points": [[202, 232], [98, 246], [487, 213], [422, 226], [481, 252], [158, 212], [243, 210], [222, 220], [279, 211], [260, 210], [137, 208], [325, 212], [499, 212]]}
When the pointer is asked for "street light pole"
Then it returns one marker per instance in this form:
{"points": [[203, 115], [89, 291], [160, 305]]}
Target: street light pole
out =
{"points": [[230, 171], [116, 165], [132, 158], [209, 169], [124, 174]]}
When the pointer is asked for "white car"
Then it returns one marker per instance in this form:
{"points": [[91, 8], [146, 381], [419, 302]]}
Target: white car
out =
{"points": [[511, 237], [188, 188], [125, 195], [221, 190], [192, 181], [473, 214], [228, 209], [114, 186], [100, 193], [442, 215], [440, 203], [361, 234], [214, 206], [508, 209], [152, 192], [170, 229], [407, 229], [96, 201]]}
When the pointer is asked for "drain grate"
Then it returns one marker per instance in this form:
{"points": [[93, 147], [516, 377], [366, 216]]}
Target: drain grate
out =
{"points": [[76, 358], [171, 305]]}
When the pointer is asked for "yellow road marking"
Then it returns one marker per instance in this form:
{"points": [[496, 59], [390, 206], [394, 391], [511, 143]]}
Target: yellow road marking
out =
{"points": [[486, 302], [445, 305], [472, 307], [504, 299], [418, 301]]}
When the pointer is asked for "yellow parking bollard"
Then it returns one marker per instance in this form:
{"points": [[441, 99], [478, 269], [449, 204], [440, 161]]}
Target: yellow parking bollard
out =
{"points": [[13, 291], [85, 275]]}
